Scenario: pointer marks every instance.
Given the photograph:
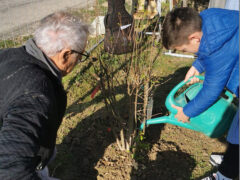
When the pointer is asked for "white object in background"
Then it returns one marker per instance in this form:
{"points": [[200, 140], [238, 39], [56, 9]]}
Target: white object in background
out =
{"points": [[97, 26], [159, 7], [125, 26], [216, 159], [153, 33], [169, 53], [170, 4], [232, 5], [217, 4]]}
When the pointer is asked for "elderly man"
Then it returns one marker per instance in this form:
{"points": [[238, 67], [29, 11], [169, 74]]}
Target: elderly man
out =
{"points": [[32, 98]]}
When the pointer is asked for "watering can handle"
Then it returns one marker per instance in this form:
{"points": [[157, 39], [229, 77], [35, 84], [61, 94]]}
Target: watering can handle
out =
{"points": [[170, 98], [230, 97]]}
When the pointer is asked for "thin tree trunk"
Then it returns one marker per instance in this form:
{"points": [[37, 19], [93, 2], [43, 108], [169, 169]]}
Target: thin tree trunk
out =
{"points": [[145, 101]]}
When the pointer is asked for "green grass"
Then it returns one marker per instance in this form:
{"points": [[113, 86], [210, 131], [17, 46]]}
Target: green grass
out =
{"points": [[16, 42]]}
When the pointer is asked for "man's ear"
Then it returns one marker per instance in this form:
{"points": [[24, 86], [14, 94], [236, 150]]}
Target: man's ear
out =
{"points": [[195, 37], [64, 55]]}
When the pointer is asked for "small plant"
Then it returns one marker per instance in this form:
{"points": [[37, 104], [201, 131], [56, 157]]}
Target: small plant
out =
{"points": [[140, 147]]}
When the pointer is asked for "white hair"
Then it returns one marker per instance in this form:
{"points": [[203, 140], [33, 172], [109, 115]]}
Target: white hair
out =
{"points": [[61, 30]]}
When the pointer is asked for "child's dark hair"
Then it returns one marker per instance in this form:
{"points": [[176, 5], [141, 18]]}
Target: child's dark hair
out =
{"points": [[178, 25]]}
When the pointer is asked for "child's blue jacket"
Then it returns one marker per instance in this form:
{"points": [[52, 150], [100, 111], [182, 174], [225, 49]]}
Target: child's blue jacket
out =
{"points": [[218, 56]]}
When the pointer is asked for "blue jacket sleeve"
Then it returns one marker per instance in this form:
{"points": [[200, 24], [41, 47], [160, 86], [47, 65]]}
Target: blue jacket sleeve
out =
{"points": [[218, 67], [198, 64]]}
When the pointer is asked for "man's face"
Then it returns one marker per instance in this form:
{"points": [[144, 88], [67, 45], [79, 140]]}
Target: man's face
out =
{"points": [[71, 62], [66, 60]]}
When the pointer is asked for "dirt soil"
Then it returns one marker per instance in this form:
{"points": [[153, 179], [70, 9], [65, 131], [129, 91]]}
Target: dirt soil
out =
{"points": [[171, 156], [168, 153]]}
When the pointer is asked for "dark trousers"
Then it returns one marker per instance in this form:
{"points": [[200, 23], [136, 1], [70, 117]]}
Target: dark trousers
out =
{"points": [[230, 164]]}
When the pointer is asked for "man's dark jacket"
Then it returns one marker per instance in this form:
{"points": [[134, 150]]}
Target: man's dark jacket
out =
{"points": [[32, 105]]}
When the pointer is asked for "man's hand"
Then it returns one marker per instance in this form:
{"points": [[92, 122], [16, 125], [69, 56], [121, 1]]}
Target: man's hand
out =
{"points": [[192, 72], [180, 116]]}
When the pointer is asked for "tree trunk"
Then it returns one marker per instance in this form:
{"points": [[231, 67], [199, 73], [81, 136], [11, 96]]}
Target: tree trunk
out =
{"points": [[145, 101], [118, 28]]}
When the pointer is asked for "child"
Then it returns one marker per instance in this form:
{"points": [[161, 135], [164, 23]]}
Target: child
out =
{"points": [[214, 37]]}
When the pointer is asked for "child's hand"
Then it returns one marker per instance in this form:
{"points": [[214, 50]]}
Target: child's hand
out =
{"points": [[180, 116], [192, 72]]}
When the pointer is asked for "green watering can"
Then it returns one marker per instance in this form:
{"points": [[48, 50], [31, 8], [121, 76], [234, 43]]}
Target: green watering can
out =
{"points": [[213, 122]]}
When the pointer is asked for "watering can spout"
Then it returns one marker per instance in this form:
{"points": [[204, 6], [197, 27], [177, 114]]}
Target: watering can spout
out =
{"points": [[166, 119], [157, 120]]}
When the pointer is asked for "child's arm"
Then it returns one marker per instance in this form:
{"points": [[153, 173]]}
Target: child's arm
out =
{"points": [[218, 69], [198, 64]]}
